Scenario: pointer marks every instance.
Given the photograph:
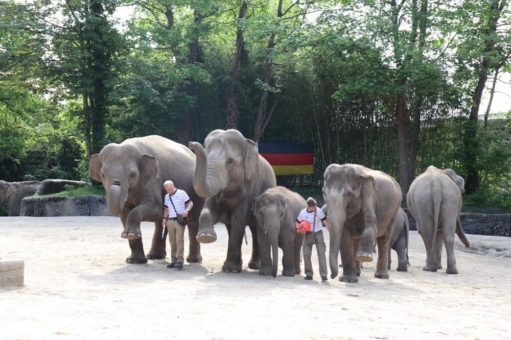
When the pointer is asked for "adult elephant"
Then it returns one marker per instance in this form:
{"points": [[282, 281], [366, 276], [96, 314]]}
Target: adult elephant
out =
{"points": [[133, 173], [434, 199], [230, 173], [361, 204], [12, 193], [276, 211]]}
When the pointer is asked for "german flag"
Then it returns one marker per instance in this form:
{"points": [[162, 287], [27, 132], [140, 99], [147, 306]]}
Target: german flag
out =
{"points": [[288, 159]]}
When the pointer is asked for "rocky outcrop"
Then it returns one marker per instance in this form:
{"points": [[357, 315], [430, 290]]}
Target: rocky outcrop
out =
{"points": [[64, 206], [52, 186]]}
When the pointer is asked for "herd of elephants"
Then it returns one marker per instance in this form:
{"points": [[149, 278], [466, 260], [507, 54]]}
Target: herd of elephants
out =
{"points": [[229, 182]]}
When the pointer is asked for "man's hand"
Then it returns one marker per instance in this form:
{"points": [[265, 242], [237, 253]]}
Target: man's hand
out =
{"points": [[185, 214]]}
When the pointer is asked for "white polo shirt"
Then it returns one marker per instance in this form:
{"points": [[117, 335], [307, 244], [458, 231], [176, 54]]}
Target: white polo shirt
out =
{"points": [[305, 215], [179, 198]]}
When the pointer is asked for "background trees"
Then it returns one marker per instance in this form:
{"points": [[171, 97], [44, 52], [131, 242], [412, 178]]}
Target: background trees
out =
{"points": [[395, 85]]}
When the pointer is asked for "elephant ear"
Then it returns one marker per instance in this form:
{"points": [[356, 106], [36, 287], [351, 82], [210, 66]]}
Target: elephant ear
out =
{"points": [[251, 159], [149, 169], [95, 167]]}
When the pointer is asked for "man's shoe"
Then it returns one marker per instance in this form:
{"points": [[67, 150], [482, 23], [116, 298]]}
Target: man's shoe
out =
{"points": [[308, 277], [324, 279], [179, 265], [172, 265]]}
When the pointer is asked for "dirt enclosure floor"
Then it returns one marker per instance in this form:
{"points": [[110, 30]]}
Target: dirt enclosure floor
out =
{"points": [[77, 285]]}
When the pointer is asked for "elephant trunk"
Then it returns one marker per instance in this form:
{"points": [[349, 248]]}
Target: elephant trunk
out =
{"points": [[275, 257], [114, 199], [336, 219], [209, 178]]}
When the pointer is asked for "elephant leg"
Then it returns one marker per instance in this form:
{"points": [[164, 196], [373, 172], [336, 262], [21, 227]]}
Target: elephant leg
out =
{"points": [[194, 254], [254, 260], [383, 256], [263, 242], [358, 264], [449, 247], [390, 258], [427, 237], [366, 247], [401, 248], [137, 252], [349, 273], [438, 246], [233, 263], [135, 216], [288, 257], [157, 250], [297, 247], [208, 217]]}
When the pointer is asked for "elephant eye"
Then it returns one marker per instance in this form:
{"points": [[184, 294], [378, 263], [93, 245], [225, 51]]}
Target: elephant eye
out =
{"points": [[230, 161]]}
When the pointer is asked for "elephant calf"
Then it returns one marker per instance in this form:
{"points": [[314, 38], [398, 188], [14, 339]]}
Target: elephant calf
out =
{"points": [[434, 199], [275, 211], [399, 240]]}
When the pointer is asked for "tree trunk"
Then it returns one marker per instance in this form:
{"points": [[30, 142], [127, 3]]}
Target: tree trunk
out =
{"points": [[402, 134], [470, 138], [262, 118], [492, 92], [239, 56]]}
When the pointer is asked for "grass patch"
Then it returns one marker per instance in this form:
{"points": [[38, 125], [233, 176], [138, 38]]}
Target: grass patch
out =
{"points": [[88, 190]]}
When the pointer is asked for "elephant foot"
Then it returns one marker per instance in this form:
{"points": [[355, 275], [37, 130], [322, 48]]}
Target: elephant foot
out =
{"points": [[363, 256], [206, 237], [124, 235], [430, 268], [253, 264], [333, 275], [194, 258], [265, 270], [231, 267], [288, 272], [156, 255], [136, 260], [439, 266], [349, 279], [402, 268], [452, 270], [131, 236], [298, 271], [381, 275]]}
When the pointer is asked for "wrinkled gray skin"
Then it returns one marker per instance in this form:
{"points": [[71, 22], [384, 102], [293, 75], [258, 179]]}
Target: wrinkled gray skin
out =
{"points": [[275, 211], [399, 240], [132, 174], [361, 206], [231, 174], [12, 193], [434, 199]]}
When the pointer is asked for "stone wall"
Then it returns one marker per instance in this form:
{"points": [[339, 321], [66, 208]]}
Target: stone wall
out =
{"points": [[480, 224], [64, 206]]}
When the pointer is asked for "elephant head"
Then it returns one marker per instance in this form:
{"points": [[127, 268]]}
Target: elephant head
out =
{"points": [[460, 182], [269, 212], [347, 190], [225, 163], [123, 170]]}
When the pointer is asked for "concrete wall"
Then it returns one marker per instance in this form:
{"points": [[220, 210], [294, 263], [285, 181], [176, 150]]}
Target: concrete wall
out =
{"points": [[480, 224], [64, 206]]}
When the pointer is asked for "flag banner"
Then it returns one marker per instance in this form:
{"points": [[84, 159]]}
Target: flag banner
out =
{"points": [[288, 159]]}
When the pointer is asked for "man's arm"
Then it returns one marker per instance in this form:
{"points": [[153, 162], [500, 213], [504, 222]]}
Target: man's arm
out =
{"points": [[188, 206]]}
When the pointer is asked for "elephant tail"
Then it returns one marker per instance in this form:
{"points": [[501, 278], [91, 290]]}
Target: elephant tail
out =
{"points": [[461, 233], [436, 197]]}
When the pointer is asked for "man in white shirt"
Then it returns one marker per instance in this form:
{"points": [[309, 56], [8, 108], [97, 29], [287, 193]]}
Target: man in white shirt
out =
{"points": [[176, 203], [316, 218]]}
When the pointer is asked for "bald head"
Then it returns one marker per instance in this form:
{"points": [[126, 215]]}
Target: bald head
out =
{"points": [[169, 186]]}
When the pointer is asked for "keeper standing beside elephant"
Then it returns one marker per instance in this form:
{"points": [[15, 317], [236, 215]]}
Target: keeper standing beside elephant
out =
{"points": [[316, 218], [177, 204]]}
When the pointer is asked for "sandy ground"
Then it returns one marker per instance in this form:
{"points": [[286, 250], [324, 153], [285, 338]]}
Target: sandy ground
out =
{"points": [[77, 285]]}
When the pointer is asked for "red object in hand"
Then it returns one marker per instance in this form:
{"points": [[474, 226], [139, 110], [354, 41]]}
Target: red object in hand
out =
{"points": [[304, 227]]}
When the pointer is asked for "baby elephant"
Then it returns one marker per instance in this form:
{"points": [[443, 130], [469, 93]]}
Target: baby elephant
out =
{"points": [[275, 211], [399, 240]]}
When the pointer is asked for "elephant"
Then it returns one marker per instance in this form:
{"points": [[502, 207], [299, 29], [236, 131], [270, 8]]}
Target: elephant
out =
{"points": [[361, 204], [399, 240], [275, 211], [132, 174], [435, 201], [230, 173], [12, 193]]}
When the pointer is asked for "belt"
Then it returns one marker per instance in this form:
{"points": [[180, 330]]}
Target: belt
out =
{"points": [[172, 218]]}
